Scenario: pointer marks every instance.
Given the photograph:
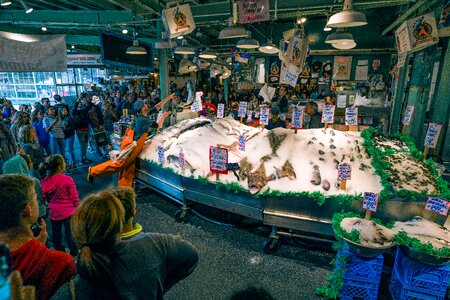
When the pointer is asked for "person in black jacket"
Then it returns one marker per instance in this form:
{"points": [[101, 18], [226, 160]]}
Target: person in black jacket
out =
{"points": [[96, 123], [69, 135], [80, 112]]}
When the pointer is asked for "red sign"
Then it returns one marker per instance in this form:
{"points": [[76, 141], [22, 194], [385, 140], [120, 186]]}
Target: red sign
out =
{"points": [[218, 160]]}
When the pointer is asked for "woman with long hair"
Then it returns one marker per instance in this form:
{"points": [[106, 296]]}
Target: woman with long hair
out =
{"points": [[19, 119], [30, 145], [109, 268]]}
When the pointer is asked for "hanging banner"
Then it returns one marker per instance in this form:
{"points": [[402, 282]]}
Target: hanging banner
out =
{"points": [[218, 160], [178, 20], [275, 69], [297, 50], [351, 116], [328, 114], [432, 137], [409, 111], [220, 111], [297, 118], [32, 53], [84, 60], [416, 34], [253, 11]]}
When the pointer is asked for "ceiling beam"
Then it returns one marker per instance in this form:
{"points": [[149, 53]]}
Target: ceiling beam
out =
{"points": [[404, 16], [136, 7]]}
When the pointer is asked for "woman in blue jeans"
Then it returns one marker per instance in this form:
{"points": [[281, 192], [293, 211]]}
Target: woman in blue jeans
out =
{"points": [[54, 126], [69, 134]]}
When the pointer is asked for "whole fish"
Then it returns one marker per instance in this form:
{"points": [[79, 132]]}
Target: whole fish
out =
{"points": [[315, 177]]}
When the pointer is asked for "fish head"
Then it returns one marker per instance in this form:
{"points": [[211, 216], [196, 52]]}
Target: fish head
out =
{"points": [[256, 181]]}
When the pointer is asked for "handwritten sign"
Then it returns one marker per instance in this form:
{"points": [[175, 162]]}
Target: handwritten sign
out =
{"points": [[160, 154], [160, 115], [371, 201], [432, 137], [220, 111], [181, 159], [328, 114], [242, 143], [437, 206], [197, 105], [409, 111], [344, 171], [297, 118], [218, 160], [242, 112], [351, 116], [264, 116], [253, 11]]}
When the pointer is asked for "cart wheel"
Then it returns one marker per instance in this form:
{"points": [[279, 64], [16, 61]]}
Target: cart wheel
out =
{"points": [[271, 246], [181, 215]]}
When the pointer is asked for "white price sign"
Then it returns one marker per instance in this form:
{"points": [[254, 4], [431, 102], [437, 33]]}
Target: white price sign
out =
{"points": [[160, 115], [181, 159], [264, 116], [297, 118], [242, 112], [438, 206], [344, 171], [218, 160], [160, 155], [371, 201], [197, 105], [328, 114], [242, 143], [351, 116], [409, 111], [220, 111], [432, 137]]}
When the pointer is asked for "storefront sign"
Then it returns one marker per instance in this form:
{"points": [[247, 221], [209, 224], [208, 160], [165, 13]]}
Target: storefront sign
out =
{"points": [[371, 201], [181, 159], [437, 206], [220, 110], [416, 34], [32, 53], [218, 160], [344, 171], [160, 115], [351, 116], [297, 118], [432, 137], [253, 11], [328, 114], [242, 143], [197, 105], [409, 111], [178, 20], [264, 116], [242, 112], [160, 154], [84, 60]]}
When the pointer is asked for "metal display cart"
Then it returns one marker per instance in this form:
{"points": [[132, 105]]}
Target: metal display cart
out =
{"points": [[288, 216]]}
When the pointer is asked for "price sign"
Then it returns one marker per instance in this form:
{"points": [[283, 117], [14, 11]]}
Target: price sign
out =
{"points": [[160, 115], [344, 171], [437, 206], [218, 160], [242, 112], [328, 114], [197, 105], [160, 154], [264, 116], [297, 118], [181, 159], [432, 137], [409, 111], [351, 116], [371, 201], [242, 143], [220, 110], [290, 77]]}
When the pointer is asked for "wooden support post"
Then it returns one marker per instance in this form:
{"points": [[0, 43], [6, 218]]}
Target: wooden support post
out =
{"points": [[433, 218], [368, 213], [343, 184], [217, 176], [425, 152], [404, 129]]}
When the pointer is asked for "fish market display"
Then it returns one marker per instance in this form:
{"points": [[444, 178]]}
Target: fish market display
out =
{"points": [[371, 234], [425, 231], [275, 159]]}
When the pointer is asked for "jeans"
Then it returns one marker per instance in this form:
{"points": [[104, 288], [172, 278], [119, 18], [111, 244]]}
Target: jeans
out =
{"points": [[83, 137], [57, 236], [58, 145], [69, 147]]}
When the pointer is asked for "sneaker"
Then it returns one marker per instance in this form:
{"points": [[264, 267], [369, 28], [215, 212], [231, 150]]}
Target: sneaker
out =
{"points": [[90, 178]]}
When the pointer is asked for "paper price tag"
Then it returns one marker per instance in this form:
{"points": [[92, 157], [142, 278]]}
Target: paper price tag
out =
{"points": [[409, 111], [344, 171], [264, 116], [351, 116], [181, 159], [432, 137], [242, 112], [297, 118], [218, 160], [328, 114], [220, 111], [197, 105], [371, 201], [438, 206], [160, 115], [242, 143], [160, 155]]}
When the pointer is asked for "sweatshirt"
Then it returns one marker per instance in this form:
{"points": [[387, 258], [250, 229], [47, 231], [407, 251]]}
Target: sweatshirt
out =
{"points": [[61, 193]]}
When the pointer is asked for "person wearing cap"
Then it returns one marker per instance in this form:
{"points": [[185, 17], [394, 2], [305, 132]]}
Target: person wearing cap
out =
{"points": [[312, 110], [275, 120]]}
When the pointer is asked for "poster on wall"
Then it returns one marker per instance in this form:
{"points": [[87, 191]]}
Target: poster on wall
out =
{"points": [[253, 11], [342, 67], [417, 33], [178, 20], [275, 69]]}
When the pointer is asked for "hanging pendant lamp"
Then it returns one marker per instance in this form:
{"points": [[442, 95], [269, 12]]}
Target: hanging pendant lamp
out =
{"points": [[269, 48], [164, 42], [184, 48], [207, 54], [248, 42], [339, 37], [347, 17], [344, 46]]}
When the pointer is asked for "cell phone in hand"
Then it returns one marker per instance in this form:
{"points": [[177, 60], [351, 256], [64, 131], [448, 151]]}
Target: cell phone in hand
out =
{"points": [[5, 271], [36, 229]]}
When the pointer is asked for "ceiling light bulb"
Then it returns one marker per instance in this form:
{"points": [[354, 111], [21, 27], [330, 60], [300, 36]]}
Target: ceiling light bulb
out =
{"points": [[72, 46], [301, 20], [180, 37], [43, 28], [6, 3], [326, 28], [124, 31]]}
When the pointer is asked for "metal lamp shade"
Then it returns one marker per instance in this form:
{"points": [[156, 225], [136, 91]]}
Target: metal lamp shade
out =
{"points": [[207, 54], [187, 66], [163, 43], [136, 49], [247, 43], [232, 32], [344, 46], [184, 50], [269, 48], [339, 37], [347, 17]]}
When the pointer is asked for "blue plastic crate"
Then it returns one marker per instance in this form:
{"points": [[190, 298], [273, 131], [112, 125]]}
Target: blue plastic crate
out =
{"points": [[364, 269], [421, 277], [353, 289], [403, 292]]}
